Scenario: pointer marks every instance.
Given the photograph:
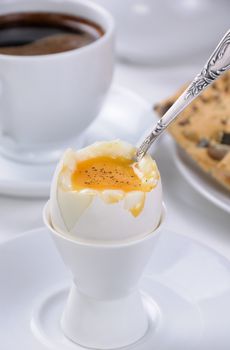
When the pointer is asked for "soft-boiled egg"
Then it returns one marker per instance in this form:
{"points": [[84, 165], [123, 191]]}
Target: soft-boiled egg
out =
{"points": [[99, 193]]}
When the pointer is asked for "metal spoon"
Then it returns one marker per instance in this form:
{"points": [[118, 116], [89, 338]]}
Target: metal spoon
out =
{"points": [[218, 63]]}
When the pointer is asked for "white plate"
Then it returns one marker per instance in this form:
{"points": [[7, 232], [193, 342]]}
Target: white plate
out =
{"points": [[189, 283], [125, 115], [200, 181]]}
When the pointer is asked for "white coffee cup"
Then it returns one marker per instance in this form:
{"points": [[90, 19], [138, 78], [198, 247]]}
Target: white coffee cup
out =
{"points": [[46, 101]]}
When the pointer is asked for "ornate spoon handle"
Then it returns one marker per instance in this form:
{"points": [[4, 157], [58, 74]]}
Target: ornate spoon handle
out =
{"points": [[218, 63]]}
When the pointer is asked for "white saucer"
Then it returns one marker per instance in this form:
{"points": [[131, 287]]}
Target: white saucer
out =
{"points": [[189, 285], [125, 115], [200, 181]]}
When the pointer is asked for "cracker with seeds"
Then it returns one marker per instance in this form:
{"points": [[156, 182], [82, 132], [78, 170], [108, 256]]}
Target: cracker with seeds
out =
{"points": [[203, 129]]}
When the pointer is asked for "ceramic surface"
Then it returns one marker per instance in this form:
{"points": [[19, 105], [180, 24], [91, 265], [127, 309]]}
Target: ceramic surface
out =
{"points": [[187, 283]]}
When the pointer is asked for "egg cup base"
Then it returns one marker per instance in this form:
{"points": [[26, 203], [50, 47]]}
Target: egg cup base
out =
{"points": [[104, 324]]}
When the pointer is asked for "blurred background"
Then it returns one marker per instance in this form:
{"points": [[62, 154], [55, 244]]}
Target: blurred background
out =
{"points": [[164, 41], [167, 32]]}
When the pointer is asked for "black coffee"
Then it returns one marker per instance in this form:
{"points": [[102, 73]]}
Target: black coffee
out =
{"points": [[28, 34]]}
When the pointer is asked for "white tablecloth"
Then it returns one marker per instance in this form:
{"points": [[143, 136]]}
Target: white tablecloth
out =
{"points": [[188, 212]]}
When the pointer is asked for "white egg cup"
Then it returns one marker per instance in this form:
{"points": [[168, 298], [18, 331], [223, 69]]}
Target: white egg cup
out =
{"points": [[104, 309]]}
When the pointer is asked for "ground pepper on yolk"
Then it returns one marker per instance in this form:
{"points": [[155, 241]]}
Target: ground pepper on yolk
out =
{"points": [[103, 173]]}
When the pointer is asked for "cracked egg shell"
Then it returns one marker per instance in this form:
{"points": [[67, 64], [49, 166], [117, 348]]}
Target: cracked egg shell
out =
{"points": [[113, 213]]}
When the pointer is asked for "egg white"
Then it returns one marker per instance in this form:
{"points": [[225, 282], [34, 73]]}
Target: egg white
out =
{"points": [[108, 215]]}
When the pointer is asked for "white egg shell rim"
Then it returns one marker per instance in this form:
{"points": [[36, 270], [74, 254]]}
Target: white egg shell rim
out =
{"points": [[96, 220]]}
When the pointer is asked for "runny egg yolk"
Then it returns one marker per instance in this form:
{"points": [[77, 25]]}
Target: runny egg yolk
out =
{"points": [[103, 173]]}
